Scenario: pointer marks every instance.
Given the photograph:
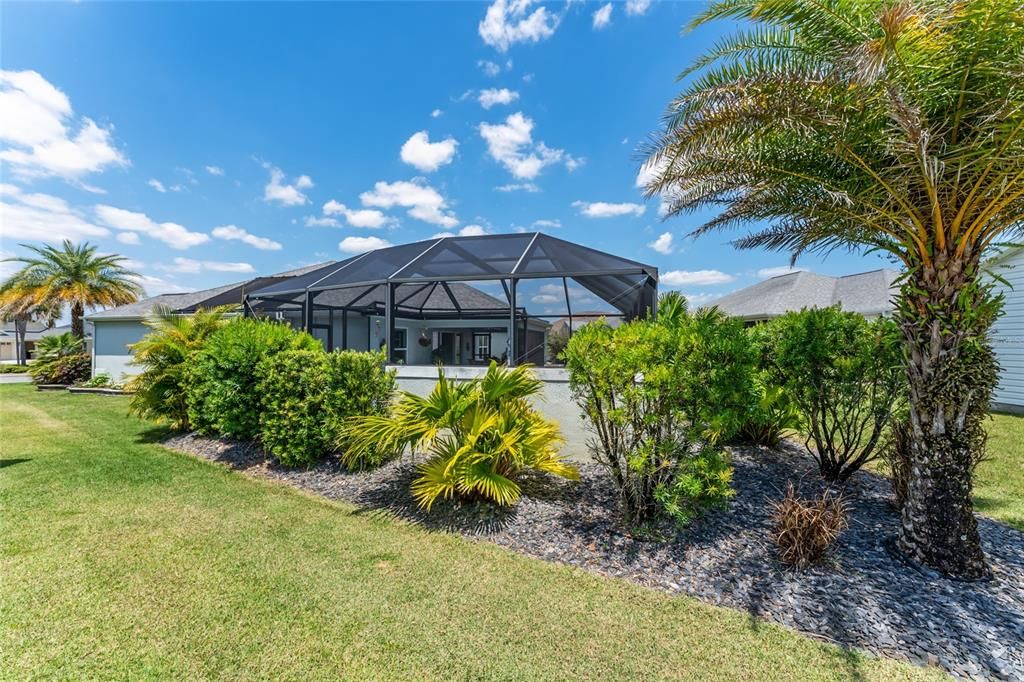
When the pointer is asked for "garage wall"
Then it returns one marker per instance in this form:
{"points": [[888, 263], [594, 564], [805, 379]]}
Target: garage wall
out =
{"points": [[110, 347]]}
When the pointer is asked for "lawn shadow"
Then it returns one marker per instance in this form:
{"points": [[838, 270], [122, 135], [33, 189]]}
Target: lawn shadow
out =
{"points": [[154, 434], [14, 460]]}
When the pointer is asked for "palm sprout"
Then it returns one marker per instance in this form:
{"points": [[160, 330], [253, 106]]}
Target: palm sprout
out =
{"points": [[479, 436], [887, 125]]}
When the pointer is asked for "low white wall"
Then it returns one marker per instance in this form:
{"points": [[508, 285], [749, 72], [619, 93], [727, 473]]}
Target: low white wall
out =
{"points": [[554, 402]]}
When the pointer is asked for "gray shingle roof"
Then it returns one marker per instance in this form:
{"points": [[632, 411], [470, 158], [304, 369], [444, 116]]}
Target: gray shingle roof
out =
{"points": [[187, 301], [868, 293]]}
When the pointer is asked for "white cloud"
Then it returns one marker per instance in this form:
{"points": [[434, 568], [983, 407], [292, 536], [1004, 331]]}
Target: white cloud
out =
{"points": [[467, 231], [776, 271], [637, 7], [508, 22], [511, 144], [603, 209], [282, 192], [313, 221], [555, 293], [663, 244], [491, 96], [364, 217], [518, 187], [157, 185], [234, 232], [676, 278], [648, 173], [191, 266], [489, 68], [603, 17], [422, 201], [428, 156], [215, 170], [37, 121], [42, 218], [547, 223], [362, 244], [172, 234], [128, 237], [436, 113]]}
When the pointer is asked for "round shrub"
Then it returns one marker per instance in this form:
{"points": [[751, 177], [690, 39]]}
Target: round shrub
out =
{"points": [[221, 386], [305, 396]]}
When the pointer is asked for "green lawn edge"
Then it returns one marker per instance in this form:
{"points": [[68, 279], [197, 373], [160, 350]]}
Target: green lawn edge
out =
{"points": [[122, 559]]}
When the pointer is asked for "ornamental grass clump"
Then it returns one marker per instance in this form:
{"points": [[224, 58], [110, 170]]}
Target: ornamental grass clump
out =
{"points": [[478, 435], [660, 398], [805, 529]]}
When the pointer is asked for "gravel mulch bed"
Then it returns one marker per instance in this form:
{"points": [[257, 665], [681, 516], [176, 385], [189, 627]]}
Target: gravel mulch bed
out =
{"points": [[862, 597]]}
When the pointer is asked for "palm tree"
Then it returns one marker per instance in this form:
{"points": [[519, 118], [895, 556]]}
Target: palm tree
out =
{"points": [[158, 392], [76, 276], [887, 125], [18, 305]]}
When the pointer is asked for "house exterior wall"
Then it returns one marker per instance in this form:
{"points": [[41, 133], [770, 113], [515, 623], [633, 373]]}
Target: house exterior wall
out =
{"points": [[1008, 334], [111, 354]]}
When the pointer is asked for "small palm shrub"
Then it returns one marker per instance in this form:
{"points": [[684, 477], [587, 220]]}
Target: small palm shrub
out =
{"points": [[660, 397], [846, 376], [60, 359], [306, 396], [158, 392], [478, 435], [805, 529], [772, 415], [101, 380], [220, 379]]}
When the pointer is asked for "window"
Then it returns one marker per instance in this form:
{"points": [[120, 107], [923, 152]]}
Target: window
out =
{"points": [[398, 354], [482, 347]]}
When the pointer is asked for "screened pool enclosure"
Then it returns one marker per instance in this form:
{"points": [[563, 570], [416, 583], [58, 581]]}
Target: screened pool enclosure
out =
{"points": [[426, 302]]}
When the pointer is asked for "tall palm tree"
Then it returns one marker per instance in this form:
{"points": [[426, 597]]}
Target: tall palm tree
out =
{"points": [[19, 306], [77, 276], [885, 125]]}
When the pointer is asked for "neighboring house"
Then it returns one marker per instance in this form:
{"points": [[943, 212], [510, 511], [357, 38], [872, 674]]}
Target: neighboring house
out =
{"points": [[868, 293], [450, 341], [563, 325], [33, 333], [1008, 331]]}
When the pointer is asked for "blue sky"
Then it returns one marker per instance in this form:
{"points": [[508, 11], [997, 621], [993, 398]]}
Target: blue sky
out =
{"points": [[208, 141]]}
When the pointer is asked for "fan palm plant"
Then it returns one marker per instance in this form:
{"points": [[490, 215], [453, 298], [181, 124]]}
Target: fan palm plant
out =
{"points": [[158, 392], [479, 436], [887, 125], [77, 276]]}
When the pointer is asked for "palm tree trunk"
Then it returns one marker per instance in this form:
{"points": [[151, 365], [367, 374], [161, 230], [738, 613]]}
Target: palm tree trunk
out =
{"points": [[77, 324], [945, 315], [20, 327]]}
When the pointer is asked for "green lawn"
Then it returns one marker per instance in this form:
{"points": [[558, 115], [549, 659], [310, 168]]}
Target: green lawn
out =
{"points": [[999, 486], [120, 559]]}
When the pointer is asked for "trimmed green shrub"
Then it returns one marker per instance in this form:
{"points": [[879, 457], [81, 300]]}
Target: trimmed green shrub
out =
{"points": [[846, 376], [67, 370], [660, 397], [221, 379], [58, 360], [305, 396], [13, 369]]}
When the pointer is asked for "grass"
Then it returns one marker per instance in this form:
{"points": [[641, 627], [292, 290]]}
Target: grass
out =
{"points": [[999, 482], [13, 369], [121, 559]]}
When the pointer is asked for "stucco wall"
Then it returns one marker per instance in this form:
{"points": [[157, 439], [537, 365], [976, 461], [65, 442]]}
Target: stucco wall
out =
{"points": [[110, 347], [554, 402]]}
